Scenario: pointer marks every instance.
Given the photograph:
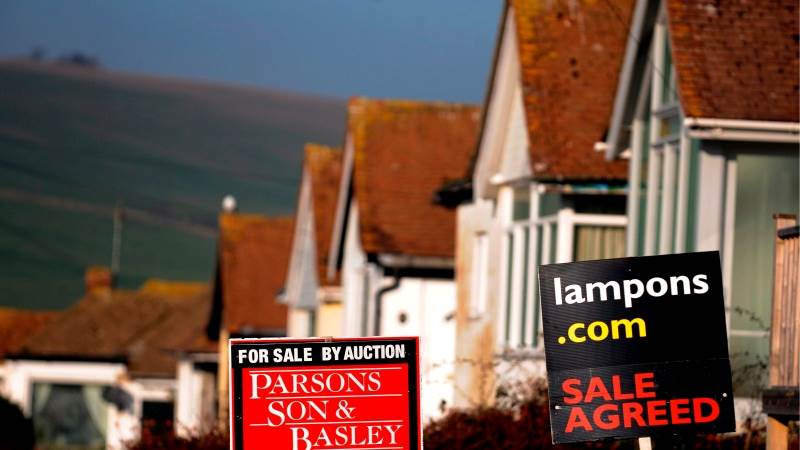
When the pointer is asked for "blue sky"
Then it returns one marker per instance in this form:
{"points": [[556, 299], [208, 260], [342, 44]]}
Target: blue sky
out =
{"points": [[426, 49]]}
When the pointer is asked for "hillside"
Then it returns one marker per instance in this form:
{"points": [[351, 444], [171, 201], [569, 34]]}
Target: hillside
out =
{"points": [[75, 142]]}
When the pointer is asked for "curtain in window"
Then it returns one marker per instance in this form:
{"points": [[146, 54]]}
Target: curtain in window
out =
{"points": [[599, 242], [97, 406], [41, 393], [69, 415]]}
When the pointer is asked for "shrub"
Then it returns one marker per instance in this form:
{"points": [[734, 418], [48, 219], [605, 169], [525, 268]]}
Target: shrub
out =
{"points": [[526, 425], [163, 438]]}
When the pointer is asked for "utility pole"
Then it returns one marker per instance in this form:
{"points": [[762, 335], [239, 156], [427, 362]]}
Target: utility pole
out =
{"points": [[116, 242]]}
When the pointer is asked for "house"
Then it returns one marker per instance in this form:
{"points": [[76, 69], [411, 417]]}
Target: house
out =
{"points": [[16, 326], [314, 301], [537, 192], [392, 245], [253, 257], [92, 375], [707, 110]]}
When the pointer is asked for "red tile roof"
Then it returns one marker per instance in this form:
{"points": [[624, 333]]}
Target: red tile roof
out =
{"points": [[324, 165], [736, 59], [138, 327], [17, 325], [253, 260], [570, 56], [403, 152]]}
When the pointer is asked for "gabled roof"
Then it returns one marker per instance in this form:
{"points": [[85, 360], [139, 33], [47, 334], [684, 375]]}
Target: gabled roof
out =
{"points": [[253, 260], [402, 152], [736, 59], [324, 166], [17, 325], [136, 327], [570, 57]]}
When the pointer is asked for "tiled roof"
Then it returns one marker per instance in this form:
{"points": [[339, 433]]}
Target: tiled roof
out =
{"points": [[17, 325], [324, 165], [570, 56], [736, 59], [403, 152], [253, 260], [138, 327]]}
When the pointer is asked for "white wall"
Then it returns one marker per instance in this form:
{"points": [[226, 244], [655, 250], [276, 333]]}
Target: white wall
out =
{"points": [[354, 275], [194, 399], [428, 307], [298, 323]]}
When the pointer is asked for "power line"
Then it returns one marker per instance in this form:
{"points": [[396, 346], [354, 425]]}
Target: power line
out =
{"points": [[134, 214]]}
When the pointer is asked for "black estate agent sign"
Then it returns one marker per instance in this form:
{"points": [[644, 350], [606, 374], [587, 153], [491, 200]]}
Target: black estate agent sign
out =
{"points": [[636, 347]]}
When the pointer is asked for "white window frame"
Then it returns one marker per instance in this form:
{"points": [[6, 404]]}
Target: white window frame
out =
{"points": [[563, 224]]}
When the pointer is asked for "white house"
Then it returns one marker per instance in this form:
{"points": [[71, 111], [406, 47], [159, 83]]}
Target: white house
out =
{"points": [[707, 109], [314, 301], [392, 245], [538, 191], [92, 376]]}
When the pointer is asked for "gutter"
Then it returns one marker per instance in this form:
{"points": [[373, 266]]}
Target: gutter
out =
{"points": [[395, 260], [742, 130]]}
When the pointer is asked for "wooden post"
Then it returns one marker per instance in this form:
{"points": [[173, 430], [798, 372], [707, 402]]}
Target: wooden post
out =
{"points": [[777, 434], [784, 337]]}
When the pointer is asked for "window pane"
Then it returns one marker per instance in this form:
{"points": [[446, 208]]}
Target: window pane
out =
{"points": [[522, 204], [509, 285], [669, 126], [67, 415], [525, 281]]}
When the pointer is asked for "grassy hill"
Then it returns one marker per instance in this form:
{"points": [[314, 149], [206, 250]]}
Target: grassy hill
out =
{"points": [[74, 142]]}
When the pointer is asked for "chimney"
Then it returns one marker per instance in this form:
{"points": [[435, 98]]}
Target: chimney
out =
{"points": [[97, 280]]}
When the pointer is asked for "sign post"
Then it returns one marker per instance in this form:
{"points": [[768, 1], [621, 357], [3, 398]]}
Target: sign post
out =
{"points": [[636, 347], [316, 394]]}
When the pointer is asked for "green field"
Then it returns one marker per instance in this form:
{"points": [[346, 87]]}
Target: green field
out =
{"points": [[74, 142]]}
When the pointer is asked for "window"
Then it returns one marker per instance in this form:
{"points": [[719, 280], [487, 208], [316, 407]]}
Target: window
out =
{"points": [[576, 226], [598, 242], [522, 203], [480, 275], [69, 415]]}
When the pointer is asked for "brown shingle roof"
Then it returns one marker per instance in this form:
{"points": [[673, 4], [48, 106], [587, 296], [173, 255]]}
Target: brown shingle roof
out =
{"points": [[570, 57], [17, 325], [403, 152], [138, 327], [736, 59], [324, 165], [254, 257]]}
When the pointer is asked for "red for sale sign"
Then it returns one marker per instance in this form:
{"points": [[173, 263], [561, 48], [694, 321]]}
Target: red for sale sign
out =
{"points": [[310, 394]]}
